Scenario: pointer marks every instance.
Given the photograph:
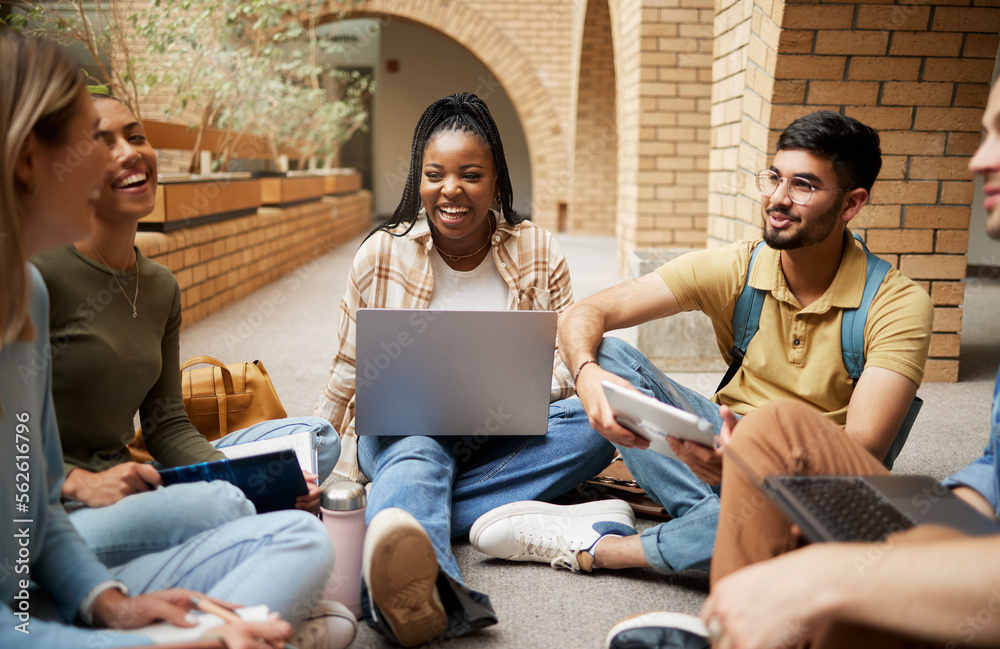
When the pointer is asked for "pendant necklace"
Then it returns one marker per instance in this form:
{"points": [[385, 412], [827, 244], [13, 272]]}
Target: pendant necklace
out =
{"points": [[135, 300]]}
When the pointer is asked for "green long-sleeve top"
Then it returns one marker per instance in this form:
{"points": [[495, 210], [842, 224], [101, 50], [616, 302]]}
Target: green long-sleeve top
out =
{"points": [[106, 365]]}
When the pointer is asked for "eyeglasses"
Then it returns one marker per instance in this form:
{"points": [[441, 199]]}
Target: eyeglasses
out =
{"points": [[800, 190]]}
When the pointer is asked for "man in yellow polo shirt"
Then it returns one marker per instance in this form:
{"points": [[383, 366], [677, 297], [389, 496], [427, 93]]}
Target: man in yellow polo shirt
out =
{"points": [[810, 271]]}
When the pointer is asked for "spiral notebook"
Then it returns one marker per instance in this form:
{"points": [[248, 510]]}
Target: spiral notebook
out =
{"points": [[301, 443]]}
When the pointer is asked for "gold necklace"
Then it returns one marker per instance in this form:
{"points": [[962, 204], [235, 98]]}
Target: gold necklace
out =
{"points": [[135, 300], [471, 254]]}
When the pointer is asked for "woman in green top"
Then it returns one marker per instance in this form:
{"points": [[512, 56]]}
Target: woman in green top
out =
{"points": [[115, 324]]}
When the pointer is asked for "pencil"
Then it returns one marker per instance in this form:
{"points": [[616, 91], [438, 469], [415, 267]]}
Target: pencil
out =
{"points": [[213, 608]]}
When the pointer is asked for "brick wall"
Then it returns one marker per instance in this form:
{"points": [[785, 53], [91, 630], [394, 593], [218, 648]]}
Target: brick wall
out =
{"points": [[700, 91], [219, 263]]}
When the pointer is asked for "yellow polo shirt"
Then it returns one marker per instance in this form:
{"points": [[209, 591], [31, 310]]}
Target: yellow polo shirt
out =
{"points": [[796, 353]]}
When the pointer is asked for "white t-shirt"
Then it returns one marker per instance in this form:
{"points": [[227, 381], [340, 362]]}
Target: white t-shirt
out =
{"points": [[479, 289]]}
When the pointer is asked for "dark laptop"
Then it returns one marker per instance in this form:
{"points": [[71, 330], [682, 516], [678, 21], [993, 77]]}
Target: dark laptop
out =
{"points": [[866, 508], [869, 508]]}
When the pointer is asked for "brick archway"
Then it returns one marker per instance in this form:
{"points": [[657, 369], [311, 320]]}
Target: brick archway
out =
{"points": [[547, 144], [593, 130]]}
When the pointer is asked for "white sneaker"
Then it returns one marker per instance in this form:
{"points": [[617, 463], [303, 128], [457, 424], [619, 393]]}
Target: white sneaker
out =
{"points": [[660, 630], [561, 535], [331, 625], [400, 569]]}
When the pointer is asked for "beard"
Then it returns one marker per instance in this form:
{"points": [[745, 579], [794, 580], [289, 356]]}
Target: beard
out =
{"points": [[818, 229], [993, 223]]}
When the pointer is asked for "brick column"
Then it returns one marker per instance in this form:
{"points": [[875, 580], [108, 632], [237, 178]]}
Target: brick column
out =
{"points": [[665, 162]]}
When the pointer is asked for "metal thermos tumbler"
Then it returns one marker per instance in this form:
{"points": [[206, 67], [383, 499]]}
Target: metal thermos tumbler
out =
{"points": [[343, 509]]}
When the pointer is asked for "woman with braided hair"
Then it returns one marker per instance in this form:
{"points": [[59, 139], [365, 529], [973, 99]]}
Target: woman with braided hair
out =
{"points": [[454, 242]]}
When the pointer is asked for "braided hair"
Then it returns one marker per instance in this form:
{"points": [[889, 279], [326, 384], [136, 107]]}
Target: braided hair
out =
{"points": [[462, 111]]}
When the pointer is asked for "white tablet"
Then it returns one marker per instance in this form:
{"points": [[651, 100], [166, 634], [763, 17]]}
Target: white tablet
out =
{"points": [[654, 420]]}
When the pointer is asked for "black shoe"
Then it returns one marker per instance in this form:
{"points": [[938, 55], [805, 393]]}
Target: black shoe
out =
{"points": [[659, 630]]}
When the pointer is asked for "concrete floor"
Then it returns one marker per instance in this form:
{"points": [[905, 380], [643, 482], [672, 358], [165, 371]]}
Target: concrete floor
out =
{"points": [[291, 326]]}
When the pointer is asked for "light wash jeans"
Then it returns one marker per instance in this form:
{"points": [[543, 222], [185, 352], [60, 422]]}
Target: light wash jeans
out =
{"points": [[687, 539], [157, 520], [446, 483], [282, 559]]}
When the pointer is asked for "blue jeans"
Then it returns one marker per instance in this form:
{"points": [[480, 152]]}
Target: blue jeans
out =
{"points": [[156, 520], [446, 483], [282, 559], [687, 539]]}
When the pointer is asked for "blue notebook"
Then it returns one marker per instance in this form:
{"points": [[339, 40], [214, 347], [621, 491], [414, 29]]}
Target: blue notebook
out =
{"points": [[271, 481]]}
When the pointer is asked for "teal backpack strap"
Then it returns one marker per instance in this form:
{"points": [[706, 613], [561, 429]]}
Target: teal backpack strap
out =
{"points": [[852, 344], [746, 320], [852, 329]]}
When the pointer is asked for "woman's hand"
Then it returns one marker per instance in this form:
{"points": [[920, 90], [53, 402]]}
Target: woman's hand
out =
{"points": [[108, 487], [309, 502], [113, 609], [253, 635]]}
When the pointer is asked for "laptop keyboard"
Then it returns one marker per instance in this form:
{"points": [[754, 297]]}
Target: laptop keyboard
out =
{"points": [[849, 508]]}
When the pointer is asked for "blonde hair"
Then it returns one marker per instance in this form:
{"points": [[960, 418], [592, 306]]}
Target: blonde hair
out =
{"points": [[39, 85]]}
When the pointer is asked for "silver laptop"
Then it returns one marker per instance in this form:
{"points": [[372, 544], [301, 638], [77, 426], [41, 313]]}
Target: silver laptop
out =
{"points": [[467, 373]]}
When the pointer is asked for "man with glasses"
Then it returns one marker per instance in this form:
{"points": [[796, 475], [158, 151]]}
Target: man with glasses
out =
{"points": [[811, 270]]}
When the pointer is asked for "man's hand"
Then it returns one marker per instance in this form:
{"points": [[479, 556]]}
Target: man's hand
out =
{"points": [[595, 404], [770, 605], [108, 487], [310, 501], [704, 462]]}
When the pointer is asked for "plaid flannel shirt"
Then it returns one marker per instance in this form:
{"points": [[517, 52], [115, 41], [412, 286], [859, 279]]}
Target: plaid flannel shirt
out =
{"points": [[395, 272]]}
